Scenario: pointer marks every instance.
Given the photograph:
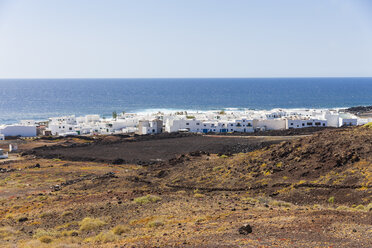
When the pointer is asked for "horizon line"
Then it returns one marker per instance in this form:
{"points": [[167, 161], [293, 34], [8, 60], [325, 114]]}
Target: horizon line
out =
{"points": [[62, 78]]}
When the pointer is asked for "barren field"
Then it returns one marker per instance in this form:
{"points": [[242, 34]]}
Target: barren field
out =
{"points": [[312, 191], [144, 150]]}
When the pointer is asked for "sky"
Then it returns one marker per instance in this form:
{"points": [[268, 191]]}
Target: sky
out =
{"points": [[185, 38]]}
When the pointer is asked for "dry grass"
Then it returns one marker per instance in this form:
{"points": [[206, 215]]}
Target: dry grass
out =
{"points": [[120, 229], [102, 237], [147, 199], [91, 224]]}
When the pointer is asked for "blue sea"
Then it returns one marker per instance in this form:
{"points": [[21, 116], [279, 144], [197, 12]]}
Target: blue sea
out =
{"points": [[43, 98]]}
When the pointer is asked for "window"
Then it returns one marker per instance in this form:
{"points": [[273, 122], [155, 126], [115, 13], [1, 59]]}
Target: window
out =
{"points": [[198, 123], [187, 123], [249, 125], [243, 120], [292, 124], [232, 125], [309, 123], [317, 123], [70, 128], [303, 124], [323, 124]]}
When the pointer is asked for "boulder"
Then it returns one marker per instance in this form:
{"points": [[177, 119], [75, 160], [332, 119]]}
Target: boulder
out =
{"points": [[245, 229]]}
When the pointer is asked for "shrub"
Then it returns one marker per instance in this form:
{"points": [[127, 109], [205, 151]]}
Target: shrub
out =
{"points": [[360, 207], [71, 233], [369, 207], [46, 239], [6, 232], [120, 229], [47, 215], [279, 165], [45, 233], [103, 237], [331, 199], [67, 213], [198, 195], [369, 125], [223, 156], [147, 199], [155, 223], [342, 208], [91, 224]]}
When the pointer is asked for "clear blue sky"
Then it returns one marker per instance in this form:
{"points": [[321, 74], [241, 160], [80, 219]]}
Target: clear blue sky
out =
{"points": [[185, 38]]}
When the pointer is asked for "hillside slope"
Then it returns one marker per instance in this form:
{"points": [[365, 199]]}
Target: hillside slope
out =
{"points": [[330, 163]]}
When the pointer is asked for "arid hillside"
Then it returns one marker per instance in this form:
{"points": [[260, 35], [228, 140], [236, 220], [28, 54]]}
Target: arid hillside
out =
{"points": [[331, 163], [299, 191]]}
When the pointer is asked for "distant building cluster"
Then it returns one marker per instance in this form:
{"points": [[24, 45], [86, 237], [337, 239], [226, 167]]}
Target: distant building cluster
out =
{"points": [[226, 121]]}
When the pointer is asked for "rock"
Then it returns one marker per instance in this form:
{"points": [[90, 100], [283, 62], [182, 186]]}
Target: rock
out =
{"points": [[34, 166], [118, 161], [22, 219], [56, 187], [161, 174], [245, 229]]}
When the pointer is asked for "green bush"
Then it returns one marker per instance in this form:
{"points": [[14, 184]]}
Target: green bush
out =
{"points": [[331, 199]]}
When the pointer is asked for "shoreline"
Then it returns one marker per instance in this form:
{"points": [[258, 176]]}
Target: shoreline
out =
{"points": [[151, 111]]}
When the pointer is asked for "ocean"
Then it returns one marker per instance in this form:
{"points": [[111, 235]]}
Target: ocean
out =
{"points": [[42, 98]]}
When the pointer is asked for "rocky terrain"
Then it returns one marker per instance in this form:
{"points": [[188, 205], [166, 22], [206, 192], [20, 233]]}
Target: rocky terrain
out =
{"points": [[303, 191], [361, 111]]}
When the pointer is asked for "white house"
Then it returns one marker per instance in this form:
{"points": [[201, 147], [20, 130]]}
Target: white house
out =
{"points": [[3, 154], [302, 123], [150, 127], [347, 120], [61, 128], [28, 123], [175, 125], [214, 126], [18, 130], [63, 119], [332, 118], [269, 124], [2, 136]]}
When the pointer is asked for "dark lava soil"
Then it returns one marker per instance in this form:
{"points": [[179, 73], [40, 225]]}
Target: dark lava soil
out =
{"points": [[149, 149]]}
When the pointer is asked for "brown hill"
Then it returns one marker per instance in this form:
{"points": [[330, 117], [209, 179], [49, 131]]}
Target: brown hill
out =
{"points": [[334, 163]]}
